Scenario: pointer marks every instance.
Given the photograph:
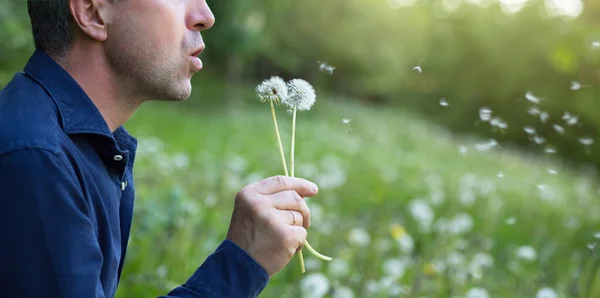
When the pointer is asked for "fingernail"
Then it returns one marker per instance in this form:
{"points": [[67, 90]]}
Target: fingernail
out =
{"points": [[314, 188]]}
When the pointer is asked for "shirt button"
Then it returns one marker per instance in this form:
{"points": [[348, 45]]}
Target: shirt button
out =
{"points": [[118, 157]]}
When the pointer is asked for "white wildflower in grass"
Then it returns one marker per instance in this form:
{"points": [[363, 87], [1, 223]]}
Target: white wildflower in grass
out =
{"points": [[418, 69], [422, 214], [534, 111], [526, 253], [546, 293], [394, 267], [529, 130], [486, 146], [485, 114], [343, 292], [359, 237], [544, 116], [444, 102], [532, 98], [338, 268], [314, 285], [511, 220], [559, 129], [477, 293], [586, 141], [460, 224], [406, 244]]}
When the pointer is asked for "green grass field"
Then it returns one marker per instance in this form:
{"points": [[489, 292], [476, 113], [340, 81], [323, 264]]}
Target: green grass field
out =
{"points": [[405, 208]]}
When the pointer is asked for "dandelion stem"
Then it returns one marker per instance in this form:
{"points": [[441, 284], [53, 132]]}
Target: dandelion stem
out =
{"points": [[312, 250], [279, 139]]}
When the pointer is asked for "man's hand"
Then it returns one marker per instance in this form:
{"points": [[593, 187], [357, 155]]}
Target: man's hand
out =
{"points": [[263, 225]]}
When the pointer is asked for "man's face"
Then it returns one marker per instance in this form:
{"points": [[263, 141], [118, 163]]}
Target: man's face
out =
{"points": [[152, 44]]}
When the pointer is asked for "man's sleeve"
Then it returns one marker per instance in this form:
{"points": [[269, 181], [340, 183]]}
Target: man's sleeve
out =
{"points": [[228, 272], [48, 246]]}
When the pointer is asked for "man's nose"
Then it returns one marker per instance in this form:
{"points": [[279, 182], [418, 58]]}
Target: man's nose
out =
{"points": [[200, 17]]}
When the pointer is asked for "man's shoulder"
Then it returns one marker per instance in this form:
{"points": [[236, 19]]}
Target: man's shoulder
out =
{"points": [[28, 117]]}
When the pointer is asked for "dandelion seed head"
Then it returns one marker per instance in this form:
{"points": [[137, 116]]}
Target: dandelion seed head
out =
{"points": [[273, 90], [301, 95]]}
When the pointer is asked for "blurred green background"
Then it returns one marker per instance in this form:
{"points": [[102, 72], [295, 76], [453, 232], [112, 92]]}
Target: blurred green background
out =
{"points": [[454, 142]]}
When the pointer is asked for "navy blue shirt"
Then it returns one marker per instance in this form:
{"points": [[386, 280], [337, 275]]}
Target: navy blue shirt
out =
{"points": [[67, 198]]}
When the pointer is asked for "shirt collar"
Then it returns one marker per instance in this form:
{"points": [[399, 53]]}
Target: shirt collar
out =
{"points": [[77, 112]]}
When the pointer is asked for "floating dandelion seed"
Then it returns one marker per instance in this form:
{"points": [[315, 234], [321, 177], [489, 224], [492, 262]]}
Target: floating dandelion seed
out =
{"points": [[324, 67], [533, 111], [532, 98], [418, 69], [575, 85], [596, 44], [544, 117], [485, 114], [529, 130], [597, 235], [500, 174], [443, 102], [591, 246], [559, 129], [570, 119], [463, 149], [527, 253], [552, 172], [542, 186], [347, 121], [511, 220]]}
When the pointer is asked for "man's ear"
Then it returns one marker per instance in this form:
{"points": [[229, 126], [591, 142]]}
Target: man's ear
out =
{"points": [[90, 16]]}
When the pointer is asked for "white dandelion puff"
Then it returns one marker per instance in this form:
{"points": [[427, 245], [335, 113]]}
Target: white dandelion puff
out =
{"points": [[575, 85], [418, 69], [532, 98], [546, 293], [301, 95], [273, 90]]}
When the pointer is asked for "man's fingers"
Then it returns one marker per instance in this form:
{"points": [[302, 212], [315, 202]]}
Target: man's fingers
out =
{"points": [[299, 234], [291, 200], [292, 217], [280, 183]]}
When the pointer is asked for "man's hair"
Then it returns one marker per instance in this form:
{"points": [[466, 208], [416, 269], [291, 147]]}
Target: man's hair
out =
{"points": [[52, 25]]}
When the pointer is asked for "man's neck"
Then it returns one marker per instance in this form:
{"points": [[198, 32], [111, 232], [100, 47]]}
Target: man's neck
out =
{"points": [[91, 71]]}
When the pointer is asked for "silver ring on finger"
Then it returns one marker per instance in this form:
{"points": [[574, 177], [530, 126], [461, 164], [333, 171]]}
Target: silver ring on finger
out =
{"points": [[293, 216]]}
